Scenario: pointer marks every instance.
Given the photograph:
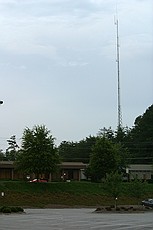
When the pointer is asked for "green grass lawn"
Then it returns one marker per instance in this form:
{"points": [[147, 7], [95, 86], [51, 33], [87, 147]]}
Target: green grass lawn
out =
{"points": [[64, 193]]}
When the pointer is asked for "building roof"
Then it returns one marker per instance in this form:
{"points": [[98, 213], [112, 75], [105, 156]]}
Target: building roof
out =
{"points": [[63, 165], [73, 165], [6, 164]]}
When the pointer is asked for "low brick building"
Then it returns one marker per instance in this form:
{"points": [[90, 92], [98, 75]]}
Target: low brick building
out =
{"points": [[74, 171], [67, 171], [140, 171]]}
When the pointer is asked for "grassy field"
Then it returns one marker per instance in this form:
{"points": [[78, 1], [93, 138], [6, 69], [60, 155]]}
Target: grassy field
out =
{"points": [[64, 194]]}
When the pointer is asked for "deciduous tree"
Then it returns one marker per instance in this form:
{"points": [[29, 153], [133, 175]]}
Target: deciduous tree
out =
{"points": [[113, 185], [38, 153], [106, 157], [2, 155], [12, 150], [140, 139]]}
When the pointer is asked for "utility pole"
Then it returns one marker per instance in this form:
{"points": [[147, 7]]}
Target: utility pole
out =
{"points": [[118, 76]]}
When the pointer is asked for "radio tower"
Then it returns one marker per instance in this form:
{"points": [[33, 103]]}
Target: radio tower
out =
{"points": [[118, 77]]}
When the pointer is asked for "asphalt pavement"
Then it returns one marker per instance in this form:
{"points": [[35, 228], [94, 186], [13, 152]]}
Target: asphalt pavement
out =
{"points": [[72, 219]]}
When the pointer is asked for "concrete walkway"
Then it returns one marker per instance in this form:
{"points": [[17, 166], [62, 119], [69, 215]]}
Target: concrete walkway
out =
{"points": [[74, 219]]}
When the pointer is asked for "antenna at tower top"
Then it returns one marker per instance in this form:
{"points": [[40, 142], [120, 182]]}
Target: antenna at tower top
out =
{"points": [[118, 74]]}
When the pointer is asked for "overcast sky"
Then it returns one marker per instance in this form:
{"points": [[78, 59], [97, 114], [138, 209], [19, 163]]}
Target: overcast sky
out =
{"points": [[58, 65]]}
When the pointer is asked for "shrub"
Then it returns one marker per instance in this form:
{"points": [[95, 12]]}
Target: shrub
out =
{"points": [[108, 209], [19, 209], [2, 208], [6, 210], [98, 209], [13, 209]]}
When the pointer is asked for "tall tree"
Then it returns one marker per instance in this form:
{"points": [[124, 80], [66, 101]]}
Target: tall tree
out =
{"points": [[38, 153], [107, 133], [84, 148], [140, 139], [67, 150], [12, 150], [2, 155], [77, 151], [105, 158]]}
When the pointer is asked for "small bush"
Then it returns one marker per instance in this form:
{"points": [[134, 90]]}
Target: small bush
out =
{"points": [[2, 208], [98, 209], [19, 209], [14, 209], [6, 210], [108, 209]]}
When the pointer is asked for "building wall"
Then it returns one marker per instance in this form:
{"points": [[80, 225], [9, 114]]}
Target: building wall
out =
{"points": [[140, 171], [74, 171], [5, 173], [141, 175], [10, 174], [67, 171], [67, 174]]}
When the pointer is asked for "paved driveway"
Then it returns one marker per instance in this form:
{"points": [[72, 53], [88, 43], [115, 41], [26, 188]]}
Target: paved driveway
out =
{"points": [[72, 219]]}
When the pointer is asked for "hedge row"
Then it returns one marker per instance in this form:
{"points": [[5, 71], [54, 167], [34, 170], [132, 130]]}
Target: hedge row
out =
{"points": [[7, 209]]}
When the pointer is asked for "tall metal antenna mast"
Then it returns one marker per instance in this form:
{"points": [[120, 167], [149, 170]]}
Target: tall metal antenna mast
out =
{"points": [[118, 76]]}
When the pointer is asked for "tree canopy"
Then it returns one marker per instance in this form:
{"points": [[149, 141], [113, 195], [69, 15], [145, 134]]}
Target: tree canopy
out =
{"points": [[2, 155], [12, 150], [139, 140], [77, 151], [38, 153], [105, 158]]}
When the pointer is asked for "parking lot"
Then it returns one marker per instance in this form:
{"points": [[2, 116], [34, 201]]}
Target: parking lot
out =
{"points": [[66, 219]]}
